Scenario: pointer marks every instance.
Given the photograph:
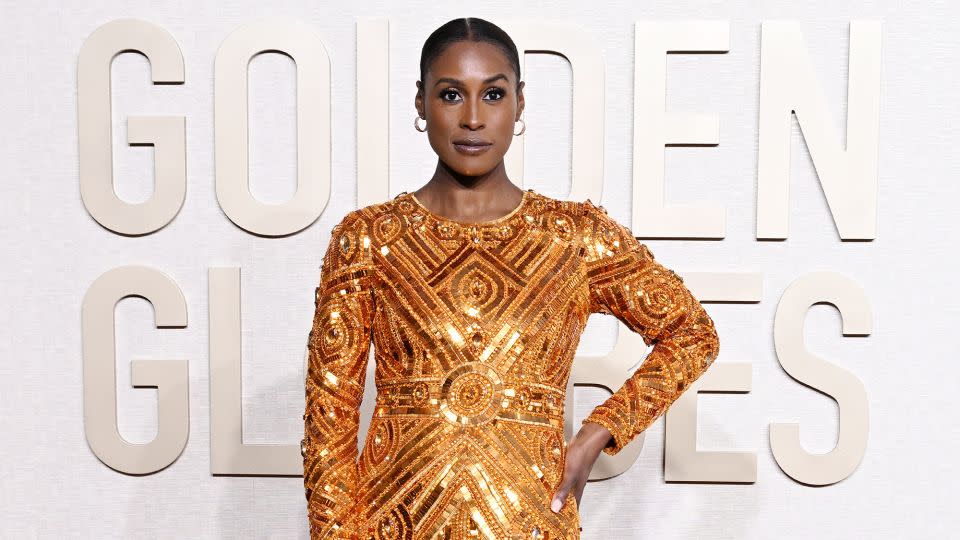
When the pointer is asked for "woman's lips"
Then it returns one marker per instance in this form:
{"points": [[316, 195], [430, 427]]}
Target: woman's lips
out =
{"points": [[472, 150]]}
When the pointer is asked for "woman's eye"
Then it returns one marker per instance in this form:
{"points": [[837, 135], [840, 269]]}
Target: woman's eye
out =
{"points": [[496, 92]]}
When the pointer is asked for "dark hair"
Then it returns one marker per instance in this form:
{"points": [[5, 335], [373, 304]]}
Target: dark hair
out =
{"points": [[467, 29]]}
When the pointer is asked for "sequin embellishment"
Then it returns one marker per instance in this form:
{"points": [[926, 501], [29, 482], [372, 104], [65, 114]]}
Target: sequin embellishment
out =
{"points": [[474, 327]]}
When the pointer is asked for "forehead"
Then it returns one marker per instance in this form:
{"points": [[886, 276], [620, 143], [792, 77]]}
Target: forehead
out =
{"points": [[470, 61]]}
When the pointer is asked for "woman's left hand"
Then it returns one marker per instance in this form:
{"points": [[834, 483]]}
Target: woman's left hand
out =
{"points": [[582, 452]]}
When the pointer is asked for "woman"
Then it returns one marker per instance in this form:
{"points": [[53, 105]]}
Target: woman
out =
{"points": [[474, 293]]}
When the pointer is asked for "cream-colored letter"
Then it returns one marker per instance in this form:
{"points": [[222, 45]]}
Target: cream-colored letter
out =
{"points": [[682, 461], [654, 128], [228, 453], [169, 377], [848, 173], [827, 378], [231, 117], [94, 125], [579, 47]]}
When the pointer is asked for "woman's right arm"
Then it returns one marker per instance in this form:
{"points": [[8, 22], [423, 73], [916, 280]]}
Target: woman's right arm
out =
{"points": [[338, 350]]}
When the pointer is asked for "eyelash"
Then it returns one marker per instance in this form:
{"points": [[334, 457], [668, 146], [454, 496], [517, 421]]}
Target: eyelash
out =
{"points": [[447, 90]]}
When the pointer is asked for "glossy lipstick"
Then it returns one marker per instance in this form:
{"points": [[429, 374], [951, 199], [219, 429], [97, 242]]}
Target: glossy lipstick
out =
{"points": [[472, 146]]}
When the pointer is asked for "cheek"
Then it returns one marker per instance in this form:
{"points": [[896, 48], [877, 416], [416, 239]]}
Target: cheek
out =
{"points": [[503, 120]]}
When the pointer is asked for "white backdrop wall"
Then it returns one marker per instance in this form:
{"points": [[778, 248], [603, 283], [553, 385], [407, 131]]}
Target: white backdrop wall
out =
{"points": [[54, 486]]}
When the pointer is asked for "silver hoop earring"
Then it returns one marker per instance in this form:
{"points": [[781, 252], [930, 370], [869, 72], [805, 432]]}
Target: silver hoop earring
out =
{"points": [[416, 125], [524, 127]]}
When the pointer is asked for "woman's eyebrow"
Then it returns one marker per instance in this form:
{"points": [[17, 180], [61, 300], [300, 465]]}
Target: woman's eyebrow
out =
{"points": [[458, 82]]}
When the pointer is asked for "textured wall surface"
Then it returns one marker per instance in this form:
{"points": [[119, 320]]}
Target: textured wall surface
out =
{"points": [[53, 485]]}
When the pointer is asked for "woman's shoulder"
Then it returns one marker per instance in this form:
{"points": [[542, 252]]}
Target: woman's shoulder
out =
{"points": [[599, 233], [368, 227], [584, 217]]}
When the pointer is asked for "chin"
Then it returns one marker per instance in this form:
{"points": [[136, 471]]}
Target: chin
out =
{"points": [[472, 170], [469, 167]]}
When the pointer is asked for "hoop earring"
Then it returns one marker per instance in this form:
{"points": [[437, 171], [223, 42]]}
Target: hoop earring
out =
{"points": [[416, 126], [524, 127]]}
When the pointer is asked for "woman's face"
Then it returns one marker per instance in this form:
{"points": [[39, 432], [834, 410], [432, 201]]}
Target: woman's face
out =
{"points": [[470, 104]]}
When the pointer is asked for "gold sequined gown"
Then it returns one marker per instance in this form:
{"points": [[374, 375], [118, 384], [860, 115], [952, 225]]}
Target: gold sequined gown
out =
{"points": [[474, 329]]}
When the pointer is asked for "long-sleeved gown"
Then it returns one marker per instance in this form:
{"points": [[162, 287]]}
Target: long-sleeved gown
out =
{"points": [[474, 329]]}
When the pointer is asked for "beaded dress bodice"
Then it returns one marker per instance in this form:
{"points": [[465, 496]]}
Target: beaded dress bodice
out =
{"points": [[474, 327]]}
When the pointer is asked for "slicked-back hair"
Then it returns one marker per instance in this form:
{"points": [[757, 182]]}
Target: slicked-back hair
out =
{"points": [[467, 29]]}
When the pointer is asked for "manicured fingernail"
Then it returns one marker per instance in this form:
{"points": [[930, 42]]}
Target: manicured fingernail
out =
{"points": [[556, 505]]}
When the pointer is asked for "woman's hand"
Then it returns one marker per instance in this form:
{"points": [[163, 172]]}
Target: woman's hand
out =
{"points": [[582, 452]]}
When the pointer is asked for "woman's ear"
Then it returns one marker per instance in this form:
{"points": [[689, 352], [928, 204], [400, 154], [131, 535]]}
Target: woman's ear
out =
{"points": [[418, 100], [520, 100]]}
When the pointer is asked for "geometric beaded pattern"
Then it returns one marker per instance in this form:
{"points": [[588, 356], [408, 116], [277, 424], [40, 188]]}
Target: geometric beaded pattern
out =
{"points": [[474, 327]]}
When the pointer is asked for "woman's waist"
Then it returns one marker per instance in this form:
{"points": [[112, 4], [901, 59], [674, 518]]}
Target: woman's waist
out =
{"points": [[472, 394]]}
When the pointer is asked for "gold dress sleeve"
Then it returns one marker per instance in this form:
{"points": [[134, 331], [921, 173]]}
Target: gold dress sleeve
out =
{"points": [[338, 349], [627, 282]]}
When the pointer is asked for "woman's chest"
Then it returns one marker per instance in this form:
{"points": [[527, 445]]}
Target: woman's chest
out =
{"points": [[480, 277], [516, 307]]}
